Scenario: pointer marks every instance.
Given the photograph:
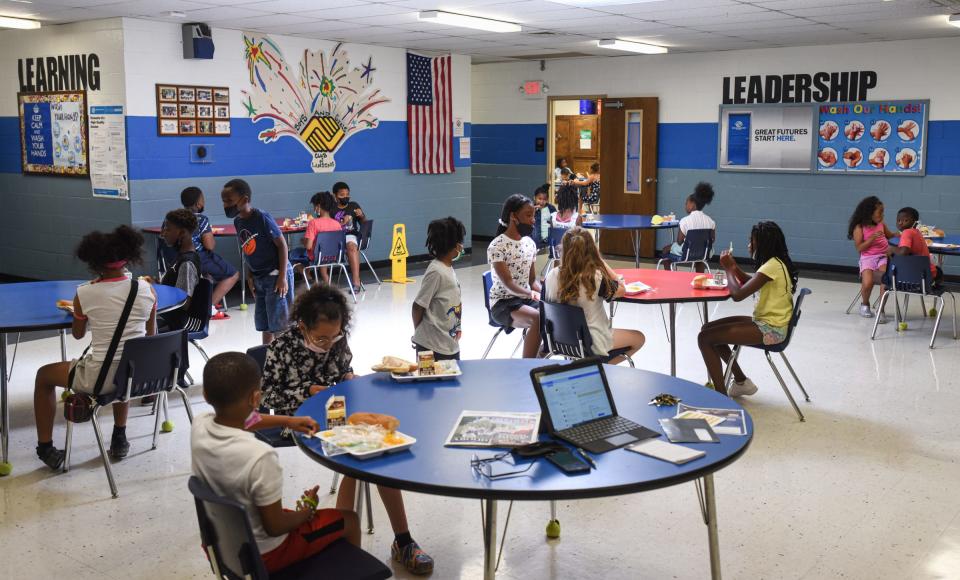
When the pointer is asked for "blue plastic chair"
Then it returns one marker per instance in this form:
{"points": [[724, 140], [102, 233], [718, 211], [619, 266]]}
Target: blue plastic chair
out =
{"points": [[227, 538], [328, 251], [780, 348], [148, 366], [912, 275], [487, 285], [566, 333], [366, 234], [696, 248]]}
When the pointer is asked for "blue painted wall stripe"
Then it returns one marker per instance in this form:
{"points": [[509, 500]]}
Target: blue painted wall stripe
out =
{"points": [[509, 144]]}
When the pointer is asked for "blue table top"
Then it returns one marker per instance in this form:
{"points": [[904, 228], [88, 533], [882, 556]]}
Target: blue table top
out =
{"points": [[428, 410], [954, 239], [627, 222], [26, 306]]}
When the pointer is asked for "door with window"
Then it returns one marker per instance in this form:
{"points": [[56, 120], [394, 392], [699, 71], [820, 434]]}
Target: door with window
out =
{"points": [[628, 185]]}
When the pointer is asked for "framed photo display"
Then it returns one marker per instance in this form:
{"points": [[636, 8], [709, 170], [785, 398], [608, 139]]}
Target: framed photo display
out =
{"points": [[192, 110]]}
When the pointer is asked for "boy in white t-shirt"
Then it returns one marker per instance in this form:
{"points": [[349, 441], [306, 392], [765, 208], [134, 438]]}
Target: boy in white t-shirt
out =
{"points": [[230, 460]]}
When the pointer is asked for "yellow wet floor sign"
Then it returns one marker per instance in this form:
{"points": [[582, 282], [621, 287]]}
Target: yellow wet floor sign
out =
{"points": [[398, 256]]}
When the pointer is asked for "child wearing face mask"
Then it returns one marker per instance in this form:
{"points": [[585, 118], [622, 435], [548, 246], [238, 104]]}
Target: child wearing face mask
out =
{"points": [[212, 265], [437, 309], [177, 233], [314, 356]]}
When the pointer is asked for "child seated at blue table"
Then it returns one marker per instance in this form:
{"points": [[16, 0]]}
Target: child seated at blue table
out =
{"points": [[314, 356], [695, 219], [776, 281], [212, 265], [269, 274], [233, 463], [437, 309], [912, 242], [184, 273], [97, 307]]}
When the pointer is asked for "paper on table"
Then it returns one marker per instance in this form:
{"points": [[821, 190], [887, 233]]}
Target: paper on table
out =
{"points": [[722, 421]]}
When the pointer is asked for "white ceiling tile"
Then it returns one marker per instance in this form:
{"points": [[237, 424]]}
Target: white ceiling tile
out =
{"points": [[291, 6], [222, 13], [387, 19], [271, 21], [358, 11]]}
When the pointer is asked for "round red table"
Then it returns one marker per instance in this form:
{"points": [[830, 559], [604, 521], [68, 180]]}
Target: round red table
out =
{"points": [[671, 288]]}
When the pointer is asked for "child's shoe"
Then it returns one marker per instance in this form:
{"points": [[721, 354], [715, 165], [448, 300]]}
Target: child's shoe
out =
{"points": [[414, 559], [865, 311], [220, 315], [119, 446], [881, 318], [746, 388], [52, 456]]}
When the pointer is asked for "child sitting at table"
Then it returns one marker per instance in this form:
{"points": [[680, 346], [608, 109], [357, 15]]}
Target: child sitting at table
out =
{"points": [[212, 265], [545, 209], [511, 255], [776, 281], [584, 279], [269, 274], [314, 356], [694, 220], [324, 207], [912, 242], [437, 309], [350, 217], [233, 463], [97, 306], [870, 235], [567, 205], [177, 233]]}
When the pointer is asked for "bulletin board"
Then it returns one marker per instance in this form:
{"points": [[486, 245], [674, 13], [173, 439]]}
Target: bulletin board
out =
{"points": [[53, 133], [193, 110], [873, 137], [767, 137]]}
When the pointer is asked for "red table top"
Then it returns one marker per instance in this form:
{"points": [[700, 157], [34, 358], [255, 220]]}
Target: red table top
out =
{"points": [[668, 286], [229, 230]]}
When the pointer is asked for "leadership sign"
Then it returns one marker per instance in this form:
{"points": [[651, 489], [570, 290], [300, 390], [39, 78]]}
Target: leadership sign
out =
{"points": [[53, 133], [873, 137]]}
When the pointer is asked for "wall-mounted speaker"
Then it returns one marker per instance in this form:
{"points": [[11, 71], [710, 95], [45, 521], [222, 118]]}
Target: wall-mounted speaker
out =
{"points": [[197, 40]]}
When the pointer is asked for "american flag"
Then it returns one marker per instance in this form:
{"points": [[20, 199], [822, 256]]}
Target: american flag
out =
{"points": [[429, 114]]}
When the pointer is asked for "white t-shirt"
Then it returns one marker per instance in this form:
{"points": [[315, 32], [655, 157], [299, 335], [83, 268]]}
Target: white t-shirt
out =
{"points": [[697, 220], [237, 465], [518, 255], [601, 329], [102, 303], [556, 222]]}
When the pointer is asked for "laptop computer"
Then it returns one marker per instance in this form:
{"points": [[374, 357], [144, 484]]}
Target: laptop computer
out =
{"points": [[577, 407]]}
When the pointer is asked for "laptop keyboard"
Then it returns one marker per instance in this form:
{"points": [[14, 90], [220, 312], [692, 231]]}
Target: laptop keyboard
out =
{"points": [[596, 430]]}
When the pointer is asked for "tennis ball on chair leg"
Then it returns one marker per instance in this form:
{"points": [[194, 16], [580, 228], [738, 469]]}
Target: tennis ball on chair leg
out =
{"points": [[243, 307], [5, 469], [933, 312], [553, 529], [902, 326], [166, 426]]}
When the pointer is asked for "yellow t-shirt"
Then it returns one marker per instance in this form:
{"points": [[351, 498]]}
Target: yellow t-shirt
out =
{"points": [[775, 306]]}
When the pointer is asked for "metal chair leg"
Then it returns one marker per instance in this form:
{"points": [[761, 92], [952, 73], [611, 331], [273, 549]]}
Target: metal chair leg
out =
{"points": [[784, 385], [728, 374], [366, 497], [855, 299], [67, 446], [519, 344], [156, 424], [936, 324], [103, 452], [186, 403], [629, 362], [334, 483], [186, 375], [369, 265], [13, 359], [490, 344], [795, 377], [876, 321], [203, 353], [350, 282]]}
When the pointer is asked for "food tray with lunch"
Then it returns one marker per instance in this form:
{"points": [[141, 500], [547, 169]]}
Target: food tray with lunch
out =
{"points": [[426, 369], [366, 435]]}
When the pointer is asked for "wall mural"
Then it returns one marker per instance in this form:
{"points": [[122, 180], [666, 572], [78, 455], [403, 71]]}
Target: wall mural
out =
{"points": [[322, 106]]}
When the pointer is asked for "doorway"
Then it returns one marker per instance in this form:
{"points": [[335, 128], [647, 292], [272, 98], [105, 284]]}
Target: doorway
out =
{"points": [[575, 126]]}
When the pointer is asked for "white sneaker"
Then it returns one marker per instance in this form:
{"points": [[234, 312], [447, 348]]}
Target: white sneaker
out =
{"points": [[865, 311], [746, 388], [881, 318]]}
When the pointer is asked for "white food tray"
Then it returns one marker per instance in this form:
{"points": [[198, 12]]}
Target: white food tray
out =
{"points": [[410, 441], [712, 285], [450, 369]]}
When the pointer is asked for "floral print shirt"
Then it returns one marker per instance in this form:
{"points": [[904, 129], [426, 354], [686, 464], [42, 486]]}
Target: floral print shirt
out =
{"points": [[291, 369]]}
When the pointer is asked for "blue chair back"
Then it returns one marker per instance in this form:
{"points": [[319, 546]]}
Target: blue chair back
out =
{"points": [[148, 365], [487, 285], [226, 534], [555, 241], [366, 232], [793, 323], [565, 330], [328, 247], [911, 274], [259, 354], [197, 322], [697, 244]]}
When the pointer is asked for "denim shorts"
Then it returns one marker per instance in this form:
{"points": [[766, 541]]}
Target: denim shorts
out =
{"points": [[213, 265], [272, 313]]}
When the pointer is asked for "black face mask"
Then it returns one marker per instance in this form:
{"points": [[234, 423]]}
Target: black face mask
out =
{"points": [[344, 200], [200, 209], [232, 211]]}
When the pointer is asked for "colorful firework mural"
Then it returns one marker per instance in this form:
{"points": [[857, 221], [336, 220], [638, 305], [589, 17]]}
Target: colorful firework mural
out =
{"points": [[321, 107]]}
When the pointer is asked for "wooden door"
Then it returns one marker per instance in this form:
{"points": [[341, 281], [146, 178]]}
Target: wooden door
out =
{"points": [[628, 183], [561, 143], [583, 141]]}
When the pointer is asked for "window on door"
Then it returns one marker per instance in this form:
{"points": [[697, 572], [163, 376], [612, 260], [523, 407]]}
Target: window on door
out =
{"points": [[632, 172]]}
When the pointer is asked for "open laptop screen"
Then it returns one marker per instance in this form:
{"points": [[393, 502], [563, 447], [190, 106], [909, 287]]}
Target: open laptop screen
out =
{"points": [[575, 396]]}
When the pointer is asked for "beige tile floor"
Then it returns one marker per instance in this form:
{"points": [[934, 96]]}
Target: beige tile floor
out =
{"points": [[866, 488]]}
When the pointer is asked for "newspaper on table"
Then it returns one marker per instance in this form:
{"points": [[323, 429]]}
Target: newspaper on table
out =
{"points": [[494, 429], [722, 421]]}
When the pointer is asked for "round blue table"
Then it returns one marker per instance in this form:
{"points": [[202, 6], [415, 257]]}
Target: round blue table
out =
{"points": [[32, 306], [428, 410], [629, 222]]}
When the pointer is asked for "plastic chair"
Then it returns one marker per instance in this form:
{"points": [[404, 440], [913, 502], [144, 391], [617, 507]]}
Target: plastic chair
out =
{"points": [[554, 245], [366, 234], [912, 275], [697, 245], [780, 348], [231, 548], [328, 253], [487, 285], [566, 333], [148, 366]]}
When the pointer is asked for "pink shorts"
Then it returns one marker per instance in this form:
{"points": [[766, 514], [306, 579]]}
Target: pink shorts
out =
{"points": [[873, 262]]}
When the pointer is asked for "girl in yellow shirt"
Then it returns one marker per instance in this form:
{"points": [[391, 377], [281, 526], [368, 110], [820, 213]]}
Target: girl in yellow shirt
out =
{"points": [[776, 281]]}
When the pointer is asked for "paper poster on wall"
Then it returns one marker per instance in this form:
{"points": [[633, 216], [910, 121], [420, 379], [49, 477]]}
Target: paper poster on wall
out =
{"points": [[586, 139], [53, 133], [108, 152], [465, 148], [766, 138], [458, 127], [873, 137], [321, 101]]}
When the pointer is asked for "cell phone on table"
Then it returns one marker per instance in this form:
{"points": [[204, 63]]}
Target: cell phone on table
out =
{"points": [[568, 462]]}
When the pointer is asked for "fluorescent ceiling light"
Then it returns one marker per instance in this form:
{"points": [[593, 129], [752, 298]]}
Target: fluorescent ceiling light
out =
{"points": [[954, 20], [628, 46], [463, 21], [176, 14], [22, 23], [595, 3]]}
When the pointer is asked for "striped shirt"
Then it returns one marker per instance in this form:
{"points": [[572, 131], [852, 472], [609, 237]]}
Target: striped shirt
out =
{"points": [[697, 220]]}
